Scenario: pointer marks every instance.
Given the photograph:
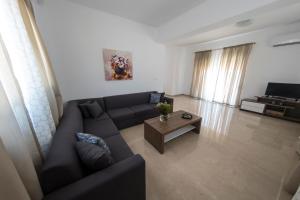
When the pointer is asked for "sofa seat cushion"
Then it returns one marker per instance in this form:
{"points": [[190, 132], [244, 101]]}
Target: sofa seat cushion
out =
{"points": [[137, 109], [121, 114], [102, 128], [118, 147]]}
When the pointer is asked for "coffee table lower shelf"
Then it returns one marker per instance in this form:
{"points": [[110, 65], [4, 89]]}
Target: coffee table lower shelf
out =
{"points": [[178, 133]]}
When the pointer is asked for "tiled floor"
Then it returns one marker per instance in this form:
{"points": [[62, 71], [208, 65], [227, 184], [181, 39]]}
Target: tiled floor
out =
{"points": [[237, 156]]}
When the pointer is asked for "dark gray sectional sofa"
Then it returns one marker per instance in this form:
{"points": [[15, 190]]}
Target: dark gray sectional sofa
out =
{"points": [[64, 177]]}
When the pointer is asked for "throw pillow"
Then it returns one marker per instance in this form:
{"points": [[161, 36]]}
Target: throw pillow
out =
{"points": [[83, 108], [94, 109], [155, 98], [92, 139], [93, 156], [162, 97]]}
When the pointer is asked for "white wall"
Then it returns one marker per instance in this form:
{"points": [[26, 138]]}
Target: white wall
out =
{"points": [[266, 63], [175, 75], [75, 36]]}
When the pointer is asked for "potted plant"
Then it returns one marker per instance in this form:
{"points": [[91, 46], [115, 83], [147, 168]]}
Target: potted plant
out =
{"points": [[164, 110]]}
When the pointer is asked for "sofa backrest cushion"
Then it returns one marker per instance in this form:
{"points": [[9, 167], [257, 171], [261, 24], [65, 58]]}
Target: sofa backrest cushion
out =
{"points": [[126, 100], [62, 165], [100, 101]]}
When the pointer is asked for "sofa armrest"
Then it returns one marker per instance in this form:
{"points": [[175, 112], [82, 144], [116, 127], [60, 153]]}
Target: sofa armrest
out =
{"points": [[123, 180], [168, 100]]}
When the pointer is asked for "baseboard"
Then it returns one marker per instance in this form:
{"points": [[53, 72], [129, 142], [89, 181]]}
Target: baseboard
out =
{"points": [[176, 95]]}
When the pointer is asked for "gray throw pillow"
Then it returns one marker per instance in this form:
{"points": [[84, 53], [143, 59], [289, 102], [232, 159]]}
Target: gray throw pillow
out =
{"points": [[94, 109], [83, 108], [92, 156], [162, 97], [155, 98], [92, 139]]}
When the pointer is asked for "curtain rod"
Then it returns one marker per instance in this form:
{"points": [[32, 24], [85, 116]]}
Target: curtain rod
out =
{"points": [[225, 47]]}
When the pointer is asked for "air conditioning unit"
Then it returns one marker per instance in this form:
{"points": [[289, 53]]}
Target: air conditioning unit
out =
{"points": [[284, 40]]}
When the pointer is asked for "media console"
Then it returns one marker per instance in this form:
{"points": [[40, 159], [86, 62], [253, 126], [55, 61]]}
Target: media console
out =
{"points": [[275, 107]]}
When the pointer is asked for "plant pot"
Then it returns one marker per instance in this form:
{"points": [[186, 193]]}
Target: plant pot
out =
{"points": [[164, 118]]}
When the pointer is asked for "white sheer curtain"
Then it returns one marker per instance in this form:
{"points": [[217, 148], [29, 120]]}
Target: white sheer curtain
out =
{"points": [[17, 105], [24, 77], [211, 77], [224, 75], [231, 74], [23, 177], [11, 186], [30, 102], [201, 69]]}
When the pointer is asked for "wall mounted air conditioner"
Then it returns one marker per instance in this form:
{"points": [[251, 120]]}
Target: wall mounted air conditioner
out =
{"points": [[284, 40]]}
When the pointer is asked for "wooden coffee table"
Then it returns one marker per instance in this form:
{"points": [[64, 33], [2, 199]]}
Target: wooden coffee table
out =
{"points": [[158, 133]]}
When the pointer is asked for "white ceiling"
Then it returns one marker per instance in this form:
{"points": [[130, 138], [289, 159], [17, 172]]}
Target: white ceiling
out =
{"points": [[184, 22], [279, 15], [150, 12]]}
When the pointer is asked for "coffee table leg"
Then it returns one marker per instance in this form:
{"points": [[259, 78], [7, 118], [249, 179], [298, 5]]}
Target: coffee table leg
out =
{"points": [[198, 126], [154, 138], [161, 145]]}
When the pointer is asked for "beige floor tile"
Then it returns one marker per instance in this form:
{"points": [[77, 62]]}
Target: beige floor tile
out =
{"points": [[237, 156]]}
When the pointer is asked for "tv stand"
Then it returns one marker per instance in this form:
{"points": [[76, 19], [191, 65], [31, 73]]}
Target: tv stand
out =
{"points": [[283, 108], [276, 97]]}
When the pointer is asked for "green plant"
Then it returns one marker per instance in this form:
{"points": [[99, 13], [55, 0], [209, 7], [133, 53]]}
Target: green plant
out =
{"points": [[164, 108]]}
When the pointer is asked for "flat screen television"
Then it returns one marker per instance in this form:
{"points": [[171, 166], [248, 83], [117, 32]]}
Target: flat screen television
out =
{"points": [[287, 90]]}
